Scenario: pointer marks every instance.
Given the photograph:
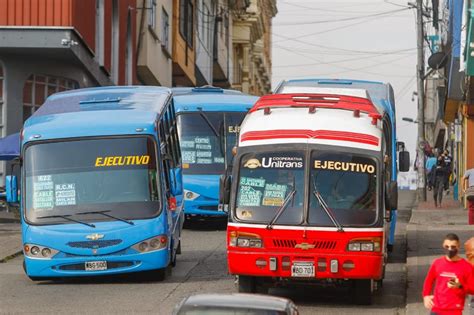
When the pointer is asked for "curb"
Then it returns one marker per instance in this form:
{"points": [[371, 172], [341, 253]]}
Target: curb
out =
{"points": [[10, 257], [10, 220]]}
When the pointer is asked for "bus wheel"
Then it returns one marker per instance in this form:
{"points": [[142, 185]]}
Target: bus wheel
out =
{"points": [[178, 250], [158, 275], [173, 259], [247, 284], [362, 291]]}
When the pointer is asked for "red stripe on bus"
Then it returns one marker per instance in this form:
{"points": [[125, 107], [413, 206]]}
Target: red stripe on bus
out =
{"points": [[310, 134]]}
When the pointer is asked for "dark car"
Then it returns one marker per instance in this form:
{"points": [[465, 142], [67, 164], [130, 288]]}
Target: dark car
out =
{"points": [[235, 304]]}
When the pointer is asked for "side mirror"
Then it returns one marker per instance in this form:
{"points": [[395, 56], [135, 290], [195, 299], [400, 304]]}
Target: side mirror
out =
{"points": [[391, 196], [404, 161], [11, 187], [224, 189], [400, 146], [176, 181]]}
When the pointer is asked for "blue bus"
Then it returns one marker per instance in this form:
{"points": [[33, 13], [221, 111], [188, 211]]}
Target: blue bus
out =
{"points": [[209, 119], [101, 184], [381, 95]]}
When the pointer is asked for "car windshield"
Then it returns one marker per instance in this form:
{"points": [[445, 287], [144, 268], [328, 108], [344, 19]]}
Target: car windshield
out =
{"points": [[270, 183], [207, 139], [117, 175], [347, 183]]}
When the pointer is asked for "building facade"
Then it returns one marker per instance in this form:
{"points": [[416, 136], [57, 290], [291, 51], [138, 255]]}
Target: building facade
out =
{"points": [[50, 46], [223, 52], [154, 42], [252, 29], [184, 43]]}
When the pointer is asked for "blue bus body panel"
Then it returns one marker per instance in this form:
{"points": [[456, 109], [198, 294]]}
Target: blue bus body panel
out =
{"points": [[382, 96], [207, 186], [67, 239], [105, 111]]}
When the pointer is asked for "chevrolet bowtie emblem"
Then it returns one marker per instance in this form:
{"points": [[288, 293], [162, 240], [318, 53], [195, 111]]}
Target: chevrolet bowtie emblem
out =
{"points": [[305, 246], [95, 236]]}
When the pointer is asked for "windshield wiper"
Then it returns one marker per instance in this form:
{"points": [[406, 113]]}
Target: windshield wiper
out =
{"points": [[66, 217], [282, 208], [326, 208], [105, 213], [201, 113]]}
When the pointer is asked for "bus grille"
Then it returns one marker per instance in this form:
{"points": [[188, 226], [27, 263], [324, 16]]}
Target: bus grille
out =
{"points": [[321, 244], [110, 265], [94, 244]]}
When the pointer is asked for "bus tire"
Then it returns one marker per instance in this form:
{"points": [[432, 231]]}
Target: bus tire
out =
{"points": [[159, 274], [362, 291], [247, 284], [173, 259], [178, 250]]}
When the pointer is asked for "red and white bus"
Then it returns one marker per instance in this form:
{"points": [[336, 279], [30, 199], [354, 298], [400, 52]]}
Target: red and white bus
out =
{"points": [[308, 195]]}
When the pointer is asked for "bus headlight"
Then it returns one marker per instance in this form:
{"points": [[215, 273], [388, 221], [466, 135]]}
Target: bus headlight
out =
{"points": [[190, 195], [365, 245], [243, 239], [151, 244], [37, 251]]}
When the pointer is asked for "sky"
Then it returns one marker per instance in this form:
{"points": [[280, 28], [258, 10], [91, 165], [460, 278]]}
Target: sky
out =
{"points": [[350, 39]]}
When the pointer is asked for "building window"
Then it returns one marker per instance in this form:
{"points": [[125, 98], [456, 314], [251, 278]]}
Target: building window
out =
{"points": [[152, 14], [186, 20], [165, 30], [38, 87]]}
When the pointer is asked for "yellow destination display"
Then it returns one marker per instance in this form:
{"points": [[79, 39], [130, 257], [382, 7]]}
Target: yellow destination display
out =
{"points": [[344, 166], [105, 161]]}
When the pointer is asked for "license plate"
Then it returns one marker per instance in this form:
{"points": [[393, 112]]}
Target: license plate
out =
{"points": [[302, 269], [95, 265]]}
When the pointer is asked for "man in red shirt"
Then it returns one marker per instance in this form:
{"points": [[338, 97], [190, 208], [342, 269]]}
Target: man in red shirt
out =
{"points": [[451, 275]]}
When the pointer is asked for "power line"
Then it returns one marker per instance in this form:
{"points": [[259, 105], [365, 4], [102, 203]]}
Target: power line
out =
{"points": [[344, 19]]}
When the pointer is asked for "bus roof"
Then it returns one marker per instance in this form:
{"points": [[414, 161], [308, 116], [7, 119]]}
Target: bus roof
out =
{"points": [[338, 120], [211, 99], [380, 93], [96, 112]]}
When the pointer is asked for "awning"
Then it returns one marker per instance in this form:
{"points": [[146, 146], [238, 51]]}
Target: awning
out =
{"points": [[10, 147]]}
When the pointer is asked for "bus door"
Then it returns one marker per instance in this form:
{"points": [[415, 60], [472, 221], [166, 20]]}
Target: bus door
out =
{"points": [[171, 165]]}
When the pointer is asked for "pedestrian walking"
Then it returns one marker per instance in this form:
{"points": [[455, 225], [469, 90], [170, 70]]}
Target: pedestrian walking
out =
{"points": [[438, 178], [448, 161], [451, 276], [430, 163], [469, 249], [468, 189]]}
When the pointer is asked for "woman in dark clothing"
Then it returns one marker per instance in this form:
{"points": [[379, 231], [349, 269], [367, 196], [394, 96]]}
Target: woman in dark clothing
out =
{"points": [[439, 178]]}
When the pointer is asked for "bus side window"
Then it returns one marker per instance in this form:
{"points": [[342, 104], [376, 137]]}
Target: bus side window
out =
{"points": [[165, 162]]}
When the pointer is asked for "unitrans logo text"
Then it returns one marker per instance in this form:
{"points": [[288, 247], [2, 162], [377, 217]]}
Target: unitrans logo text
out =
{"points": [[252, 163], [279, 162]]}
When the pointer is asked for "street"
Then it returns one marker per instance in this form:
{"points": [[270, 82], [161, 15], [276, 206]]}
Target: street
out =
{"points": [[200, 268]]}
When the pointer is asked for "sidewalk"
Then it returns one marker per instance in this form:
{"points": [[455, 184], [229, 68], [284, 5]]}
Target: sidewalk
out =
{"points": [[10, 236], [425, 231]]}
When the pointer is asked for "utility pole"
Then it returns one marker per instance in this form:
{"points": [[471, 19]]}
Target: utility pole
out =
{"points": [[421, 102]]}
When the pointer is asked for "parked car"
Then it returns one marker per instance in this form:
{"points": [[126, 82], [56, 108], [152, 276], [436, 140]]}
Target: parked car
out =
{"points": [[235, 304]]}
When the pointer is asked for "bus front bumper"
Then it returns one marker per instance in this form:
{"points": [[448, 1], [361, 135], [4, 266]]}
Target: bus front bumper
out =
{"points": [[321, 265], [197, 208], [104, 265]]}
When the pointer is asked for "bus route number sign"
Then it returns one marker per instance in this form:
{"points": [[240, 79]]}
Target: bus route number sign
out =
{"points": [[304, 269]]}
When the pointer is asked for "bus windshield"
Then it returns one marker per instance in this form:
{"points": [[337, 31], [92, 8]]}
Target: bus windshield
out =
{"points": [[271, 187], [347, 183], [115, 175], [207, 139]]}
